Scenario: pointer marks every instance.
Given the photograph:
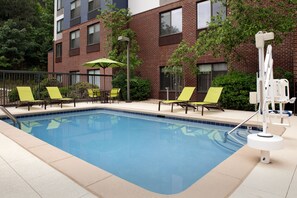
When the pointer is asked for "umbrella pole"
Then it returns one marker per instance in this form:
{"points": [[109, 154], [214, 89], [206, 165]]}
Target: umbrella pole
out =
{"points": [[104, 79]]}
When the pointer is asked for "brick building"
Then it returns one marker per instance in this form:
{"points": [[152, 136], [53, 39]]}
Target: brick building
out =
{"points": [[160, 25]]}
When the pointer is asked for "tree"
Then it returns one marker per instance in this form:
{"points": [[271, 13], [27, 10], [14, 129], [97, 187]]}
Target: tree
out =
{"points": [[13, 44], [21, 11], [245, 18], [182, 57], [117, 22], [26, 28]]}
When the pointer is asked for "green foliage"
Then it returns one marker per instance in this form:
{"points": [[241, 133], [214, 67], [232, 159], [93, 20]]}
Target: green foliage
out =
{"points": [[183, 56], [13, 95], [14, 44], [65, 91], [245, 19], [280, 73], [139, 88], [116, 21], [237, 86], [40, 92], [174, 70], [26, 28], [80, 90]]}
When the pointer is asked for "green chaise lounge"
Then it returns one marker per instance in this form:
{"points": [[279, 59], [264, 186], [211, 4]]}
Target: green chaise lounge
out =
{"points": [[211, 99], [55, 96], [26, 97], [182, 99]]}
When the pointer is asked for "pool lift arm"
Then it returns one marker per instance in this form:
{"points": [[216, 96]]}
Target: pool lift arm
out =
{"points": [[265, 141]]}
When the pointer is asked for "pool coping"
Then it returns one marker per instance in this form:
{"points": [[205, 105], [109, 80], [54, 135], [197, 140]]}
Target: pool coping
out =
{"points": [[219, 182]]}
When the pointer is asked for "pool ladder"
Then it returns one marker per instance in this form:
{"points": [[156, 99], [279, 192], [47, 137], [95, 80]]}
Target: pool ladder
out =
{"points": [[239, 125], [9, 115]]}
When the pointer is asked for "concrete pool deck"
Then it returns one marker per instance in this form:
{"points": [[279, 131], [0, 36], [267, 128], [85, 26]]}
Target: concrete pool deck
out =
{"points": [[31, 168]]}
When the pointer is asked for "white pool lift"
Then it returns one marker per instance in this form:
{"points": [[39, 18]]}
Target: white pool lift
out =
{"points": [[270, 91]]}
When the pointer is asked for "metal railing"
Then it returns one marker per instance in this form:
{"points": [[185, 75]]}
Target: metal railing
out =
{"points": [[10, 79], [239, 125], [10, 116]]}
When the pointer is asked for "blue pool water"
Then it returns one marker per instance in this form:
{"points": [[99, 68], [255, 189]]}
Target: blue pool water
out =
{"points": [[159, 154]]}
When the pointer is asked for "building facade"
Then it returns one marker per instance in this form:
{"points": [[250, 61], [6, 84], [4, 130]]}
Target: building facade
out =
{"points": [[160, 25]]}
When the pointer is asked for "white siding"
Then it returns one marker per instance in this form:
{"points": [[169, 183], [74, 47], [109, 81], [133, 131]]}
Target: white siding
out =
{"points": [[138, 6]]}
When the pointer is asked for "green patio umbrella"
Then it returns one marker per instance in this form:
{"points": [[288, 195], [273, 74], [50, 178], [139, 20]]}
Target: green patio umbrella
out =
{"points": [[103, 63]]}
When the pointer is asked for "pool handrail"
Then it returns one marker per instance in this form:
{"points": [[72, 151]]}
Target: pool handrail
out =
{"points": [[9, 115], [239, 125]]}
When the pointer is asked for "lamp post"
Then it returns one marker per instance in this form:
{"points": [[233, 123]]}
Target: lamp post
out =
{"points": [[123, 38]]}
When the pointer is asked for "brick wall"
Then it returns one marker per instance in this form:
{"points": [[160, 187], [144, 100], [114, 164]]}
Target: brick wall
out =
{"points": [[50, 59], [146, 26], [295, 54], [154, 56], [75, 63], [282, 56]]}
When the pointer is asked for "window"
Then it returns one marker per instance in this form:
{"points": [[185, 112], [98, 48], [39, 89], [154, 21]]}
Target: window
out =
{"points": [[94, 4], [74, 39], [59, 26], [59, 4], [173, 82], [171, 22], [74, 77], [59, 78], [207, 72], [94, 80], [93, 34], [208, 9], [75, 9], [58, 50]]}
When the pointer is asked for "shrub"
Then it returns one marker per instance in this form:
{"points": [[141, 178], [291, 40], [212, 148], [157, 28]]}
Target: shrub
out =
{"points": [[139, 88], [40, 91], [13, 95], [79, 90], [65, 91], [237, 86]]}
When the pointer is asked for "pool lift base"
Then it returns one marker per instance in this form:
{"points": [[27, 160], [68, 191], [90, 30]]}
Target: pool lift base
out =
{"points": [[265, 144], [266, 135]]}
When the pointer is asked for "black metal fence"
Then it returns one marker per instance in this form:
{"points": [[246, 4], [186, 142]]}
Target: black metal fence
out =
{"points": [[71, 84]]}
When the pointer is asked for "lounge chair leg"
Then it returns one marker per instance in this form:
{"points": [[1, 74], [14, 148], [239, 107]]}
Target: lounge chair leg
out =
{"points": [[61, 104], [172, 107], [159, 105], [186, 109], [74, 103], [202, 110]]}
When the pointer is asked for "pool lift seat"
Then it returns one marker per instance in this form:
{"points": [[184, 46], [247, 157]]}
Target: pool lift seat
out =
{"points": [[281, 97]]}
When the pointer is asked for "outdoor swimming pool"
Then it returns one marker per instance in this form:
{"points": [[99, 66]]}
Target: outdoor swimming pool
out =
{"points": [[162, 155]]}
